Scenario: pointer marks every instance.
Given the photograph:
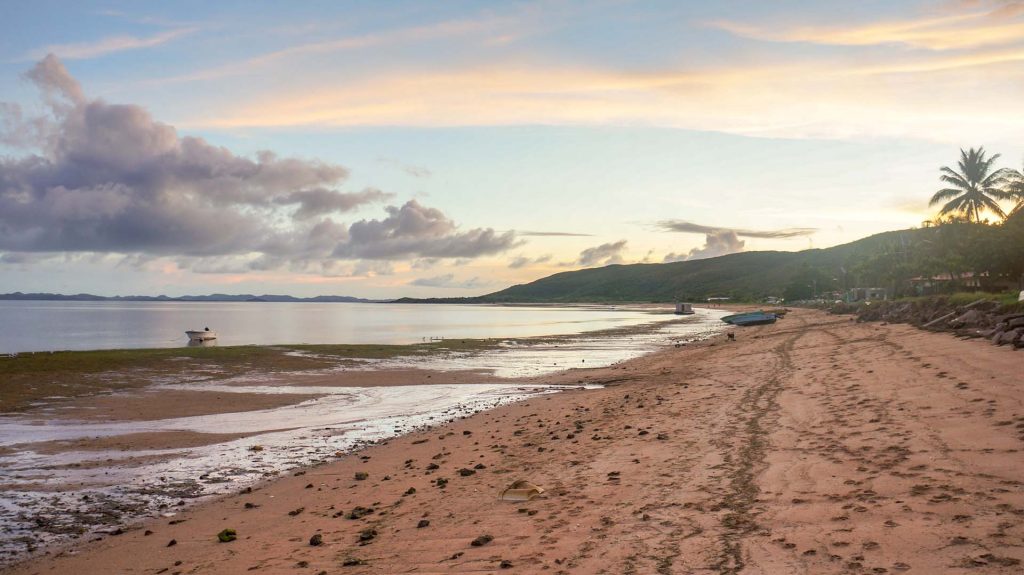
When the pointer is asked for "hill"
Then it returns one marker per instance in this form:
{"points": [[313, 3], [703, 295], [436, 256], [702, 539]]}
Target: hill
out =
{"points": [[740, 276]]}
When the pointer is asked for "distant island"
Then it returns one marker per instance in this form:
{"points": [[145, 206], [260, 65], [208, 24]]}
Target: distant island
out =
{"points": [[217, 297]]}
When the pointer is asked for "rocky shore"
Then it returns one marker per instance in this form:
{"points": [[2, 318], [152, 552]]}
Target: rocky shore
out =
{"points": [[999, 323]]}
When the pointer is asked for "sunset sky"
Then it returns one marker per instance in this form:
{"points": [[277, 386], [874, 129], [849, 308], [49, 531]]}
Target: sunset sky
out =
{"points": [[456, 148]]}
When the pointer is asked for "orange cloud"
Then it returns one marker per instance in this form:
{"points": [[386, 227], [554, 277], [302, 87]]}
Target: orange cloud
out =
{"points": [[950, 32], [811, 99]]}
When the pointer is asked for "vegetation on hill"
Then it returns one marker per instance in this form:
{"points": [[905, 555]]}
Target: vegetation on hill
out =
{"points": [[957, 251]]}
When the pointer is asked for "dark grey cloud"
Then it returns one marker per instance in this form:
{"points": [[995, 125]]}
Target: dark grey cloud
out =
{"points": [[523, 261], [602, 255], [109, 178], [717, 243], [692, 228], [449, 281]]}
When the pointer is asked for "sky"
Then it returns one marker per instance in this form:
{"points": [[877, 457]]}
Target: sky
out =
{"points": [[456, 148]]}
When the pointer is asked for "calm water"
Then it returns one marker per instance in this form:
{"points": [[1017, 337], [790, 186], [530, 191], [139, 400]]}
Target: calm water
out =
{"points": [[50, 326]]}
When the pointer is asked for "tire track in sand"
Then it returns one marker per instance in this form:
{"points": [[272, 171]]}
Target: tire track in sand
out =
{"points": [[744, 456]]}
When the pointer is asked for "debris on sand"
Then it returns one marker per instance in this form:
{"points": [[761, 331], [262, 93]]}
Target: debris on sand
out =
{"points": [[227, 535], [521, 490]]}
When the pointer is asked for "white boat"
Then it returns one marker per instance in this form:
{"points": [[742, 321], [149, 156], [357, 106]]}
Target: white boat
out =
{"points": [[205, 335]]}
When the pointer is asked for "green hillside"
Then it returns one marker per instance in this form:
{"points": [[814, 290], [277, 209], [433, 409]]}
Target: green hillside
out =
{"points": [[890, 260], [740, 276]]}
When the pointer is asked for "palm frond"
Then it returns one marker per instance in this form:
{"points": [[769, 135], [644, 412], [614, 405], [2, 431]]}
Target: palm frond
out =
{"points": [[945, 194], [990, 205], [954, 205], [956, 180]]}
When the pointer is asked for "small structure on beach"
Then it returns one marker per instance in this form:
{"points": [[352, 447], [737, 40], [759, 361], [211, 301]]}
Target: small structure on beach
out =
{"points": [[684, 308]]}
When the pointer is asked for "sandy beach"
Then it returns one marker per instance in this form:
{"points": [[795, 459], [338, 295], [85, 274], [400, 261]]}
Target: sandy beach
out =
{"points": [[814, 445]]}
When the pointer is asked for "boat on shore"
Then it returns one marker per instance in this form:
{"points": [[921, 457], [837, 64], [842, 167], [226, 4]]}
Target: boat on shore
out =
{"points": [[206, 334], [750, 318]]}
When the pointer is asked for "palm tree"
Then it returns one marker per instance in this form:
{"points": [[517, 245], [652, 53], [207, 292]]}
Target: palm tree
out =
{"points": [[975, 187], [1013, 186]]}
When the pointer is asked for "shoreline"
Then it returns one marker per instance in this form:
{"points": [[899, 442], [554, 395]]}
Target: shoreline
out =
{"points": [[814, 445], [32, 377], [87, 445]]}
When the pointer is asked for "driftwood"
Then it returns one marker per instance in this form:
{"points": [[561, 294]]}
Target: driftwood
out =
{"points": [[951, 314]]}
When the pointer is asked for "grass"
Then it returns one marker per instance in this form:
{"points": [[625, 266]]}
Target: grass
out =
{"points": [[31, 377], [1008, 299]]}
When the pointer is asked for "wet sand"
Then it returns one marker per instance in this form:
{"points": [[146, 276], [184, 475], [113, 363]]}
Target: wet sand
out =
{"points": [[814, 445]]}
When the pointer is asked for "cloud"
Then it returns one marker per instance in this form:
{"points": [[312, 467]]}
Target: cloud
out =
{"points": [[721, 241], [692, 228], [321, 201], [885, 91], [409, 169], [417, 231], [716, 243], [957, 31], [388, 38], [108, 178], [602, 255], [86, 50], [523, 261], [449, 281]]}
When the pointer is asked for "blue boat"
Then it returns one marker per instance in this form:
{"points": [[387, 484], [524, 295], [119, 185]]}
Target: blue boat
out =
{"points": [[750, 318]]}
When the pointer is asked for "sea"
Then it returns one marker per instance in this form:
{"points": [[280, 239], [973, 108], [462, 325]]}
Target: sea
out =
{"points": [[49, 499], [71, 325]]}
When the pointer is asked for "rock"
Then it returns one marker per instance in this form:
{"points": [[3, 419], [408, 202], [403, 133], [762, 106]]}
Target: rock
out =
{"points": [[971, 318], [466, 472], [1009, 337], [423, 523], [1015, 323], [1006, 318], [481, 541], [368, 534], [316, 540], [227, 535], [172, 542], [352, 562], [505, 564], [362, 476], [359, 512]]}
